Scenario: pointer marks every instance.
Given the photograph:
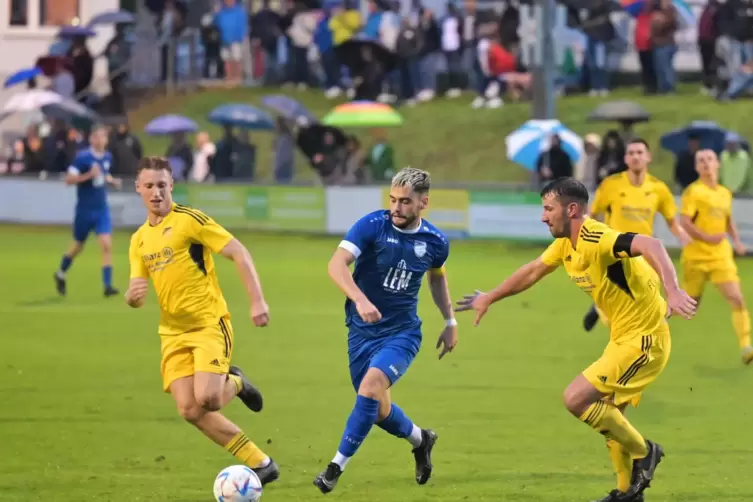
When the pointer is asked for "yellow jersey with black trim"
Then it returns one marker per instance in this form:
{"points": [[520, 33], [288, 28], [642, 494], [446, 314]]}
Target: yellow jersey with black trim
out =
{"points": [[630, 208], [177, 255], [710, 209], [624, 288]]}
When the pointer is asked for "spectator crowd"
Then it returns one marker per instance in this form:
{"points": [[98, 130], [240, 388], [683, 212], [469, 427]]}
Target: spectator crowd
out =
{"points": [[296, 45]]}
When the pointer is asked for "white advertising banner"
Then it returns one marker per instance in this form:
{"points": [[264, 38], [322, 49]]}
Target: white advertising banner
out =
{"points": [[346, 204]]}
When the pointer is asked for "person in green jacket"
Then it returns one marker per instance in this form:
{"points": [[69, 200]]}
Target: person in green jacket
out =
{"points": [[380, 161], [735, 165]]}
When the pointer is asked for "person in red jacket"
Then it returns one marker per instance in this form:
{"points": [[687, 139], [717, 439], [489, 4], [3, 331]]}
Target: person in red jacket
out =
{"points": [[645, 48]]}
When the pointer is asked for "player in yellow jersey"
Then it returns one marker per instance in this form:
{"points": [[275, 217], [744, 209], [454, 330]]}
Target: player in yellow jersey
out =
{"points": [[707, 215], [174, 248], [610, 267], [629, 201]]}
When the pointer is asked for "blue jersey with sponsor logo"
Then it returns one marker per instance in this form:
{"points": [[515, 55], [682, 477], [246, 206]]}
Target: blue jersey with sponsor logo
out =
{"points": [[91, 194], [389, 268]]}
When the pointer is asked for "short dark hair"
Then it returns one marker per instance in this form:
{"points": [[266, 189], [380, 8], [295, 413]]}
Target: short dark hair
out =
{"points": [[639, 141], [567, 190], [154, 164]]}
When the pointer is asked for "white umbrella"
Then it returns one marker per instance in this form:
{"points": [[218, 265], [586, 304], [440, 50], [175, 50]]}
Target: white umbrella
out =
{"points": [[526, 145], [50, 103]]}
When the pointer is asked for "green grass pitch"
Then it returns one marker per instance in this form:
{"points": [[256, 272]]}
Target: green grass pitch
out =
{"points": [[83, 418]]}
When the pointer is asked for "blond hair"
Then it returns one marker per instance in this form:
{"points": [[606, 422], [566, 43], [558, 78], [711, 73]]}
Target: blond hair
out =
{"points": [[419, 181]]}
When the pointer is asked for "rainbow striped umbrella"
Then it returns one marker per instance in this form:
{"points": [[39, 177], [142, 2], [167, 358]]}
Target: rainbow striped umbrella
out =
{"points": [[363, 114], [685, 15]]}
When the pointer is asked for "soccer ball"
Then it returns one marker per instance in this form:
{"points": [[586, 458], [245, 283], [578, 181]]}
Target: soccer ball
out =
{"points": [[237, 483]]}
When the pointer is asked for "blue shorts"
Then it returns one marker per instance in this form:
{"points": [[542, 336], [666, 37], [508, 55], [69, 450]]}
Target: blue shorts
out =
{"points": [[393, 355], [86, 222]]}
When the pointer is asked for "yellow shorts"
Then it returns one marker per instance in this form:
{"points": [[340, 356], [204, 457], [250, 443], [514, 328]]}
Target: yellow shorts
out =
{"points": [[696, 273], [206, 349], [625, 369]]}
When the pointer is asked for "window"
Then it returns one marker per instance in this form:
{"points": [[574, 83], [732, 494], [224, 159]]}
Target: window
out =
{"points": [[58, 12], [18, 14]]}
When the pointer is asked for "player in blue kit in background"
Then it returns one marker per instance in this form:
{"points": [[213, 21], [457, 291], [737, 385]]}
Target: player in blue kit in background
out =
{"points": [[392, 250], [90, 172]]}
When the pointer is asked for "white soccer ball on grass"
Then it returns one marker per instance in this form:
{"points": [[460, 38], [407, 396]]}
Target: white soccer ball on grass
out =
{"points": [[237, 483]]}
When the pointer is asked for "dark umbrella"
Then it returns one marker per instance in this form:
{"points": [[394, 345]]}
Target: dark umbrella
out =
{"points": [[243, 116], [626, 113], [289, 108], [354, 54], [112, 17], [310, 139], [710, 134]]}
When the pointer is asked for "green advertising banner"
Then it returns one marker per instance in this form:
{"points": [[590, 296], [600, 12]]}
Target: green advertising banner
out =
{"points": [[300, 209]]}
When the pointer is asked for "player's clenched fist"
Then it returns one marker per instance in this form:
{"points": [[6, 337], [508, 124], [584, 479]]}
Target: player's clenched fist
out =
{"points": [[260, 314], [136, 293], [368, 312]]}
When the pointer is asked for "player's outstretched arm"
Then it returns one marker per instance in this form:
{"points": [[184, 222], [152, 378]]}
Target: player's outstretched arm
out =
{"points": [[656, 255], [339, 271], [521, 280], [238, 253]]}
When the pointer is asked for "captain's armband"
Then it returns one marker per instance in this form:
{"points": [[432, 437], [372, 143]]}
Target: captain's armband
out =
{"points": [[622, 245]]}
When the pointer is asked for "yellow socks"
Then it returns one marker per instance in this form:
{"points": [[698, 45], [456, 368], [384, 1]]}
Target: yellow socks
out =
{"points": [[246, 451], [237, 381], [623, 464], [605, 418], [741, 323]]}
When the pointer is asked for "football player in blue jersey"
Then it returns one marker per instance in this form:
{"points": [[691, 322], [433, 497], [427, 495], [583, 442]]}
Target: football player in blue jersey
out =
{"points": [[90, 172], [392, 250]]}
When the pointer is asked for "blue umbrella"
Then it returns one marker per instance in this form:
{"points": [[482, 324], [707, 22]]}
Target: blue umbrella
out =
{"points": [[709, 133], [75, 31], [526, 145], [170, 124], [244, 116], [288, 108], [22, 76], [112, 17]]}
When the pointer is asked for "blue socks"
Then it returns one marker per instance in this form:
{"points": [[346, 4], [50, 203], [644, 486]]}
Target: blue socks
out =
{"points": [[361, 419], [65, 263], [397, 423], [107, 276]]}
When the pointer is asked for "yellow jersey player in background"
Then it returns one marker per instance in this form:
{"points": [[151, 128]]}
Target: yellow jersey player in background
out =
{"points": [[174, 248], [609, 267], [707, 216], [629, 201]]}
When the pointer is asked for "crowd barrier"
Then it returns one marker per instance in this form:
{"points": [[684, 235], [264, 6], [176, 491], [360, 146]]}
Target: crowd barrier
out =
{"points": [[460, 213]]}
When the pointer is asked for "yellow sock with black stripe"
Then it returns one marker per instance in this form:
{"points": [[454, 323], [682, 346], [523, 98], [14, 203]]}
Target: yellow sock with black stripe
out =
{"points": [[246, 451], [238, 381], [605, 418], [741, 324], [623, 464]]}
